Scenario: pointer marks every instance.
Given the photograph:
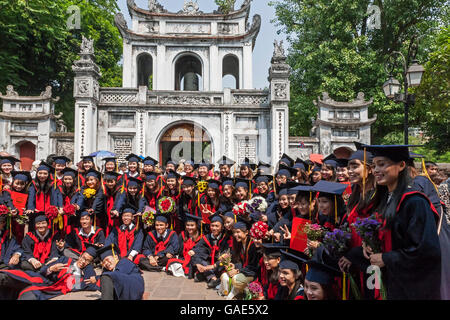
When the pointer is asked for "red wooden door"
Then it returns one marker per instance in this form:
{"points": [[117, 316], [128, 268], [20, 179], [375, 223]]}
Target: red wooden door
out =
{"points": [[27, 155]]}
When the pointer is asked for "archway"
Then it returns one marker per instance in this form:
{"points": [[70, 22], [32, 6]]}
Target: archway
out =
{"points": [[230, 72], [145, 70], [188, 73], [27, 154], [186, 141]]}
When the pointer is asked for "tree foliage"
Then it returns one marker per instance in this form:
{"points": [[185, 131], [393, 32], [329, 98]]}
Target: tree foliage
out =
{"points": [[38, 49], [333, 49]]}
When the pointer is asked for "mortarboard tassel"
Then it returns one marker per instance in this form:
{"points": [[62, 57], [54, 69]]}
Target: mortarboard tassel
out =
{"points": [[201, 228], [344, 283], [425, 173], [335, 210], [1, 181], [250, 189], [306, 268], [10, 227], [95, 221], [274, 186], [112, 250], [55, 179], [310, 199]]}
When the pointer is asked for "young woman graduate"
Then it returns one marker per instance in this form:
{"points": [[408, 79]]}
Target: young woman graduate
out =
{"points": [[203, 170], [173, 190], [39, 246], [127, 238], [10, 249], [129, 197], [90, 199], [61, 163], [343, 177], [121, 279], [107, 197], [269, 269], [316, 174], [244, 264], [152, 191], [225, 165], [328, 169], [242, 189], [187, 239], [360, 205], [281, 209], [160, 245], [6, 167], [205, 261], [330, 202], [227, 199], [210, 201], [79, 239], [411, 248], [319, 281], [246, 169], [305, 202], [229, 219], [87, 163], [189, 169], [42, 194], [19, 195], [290, 276], [188, 201], [71, 198], [301, 175], [263, 186], [133, 167]]}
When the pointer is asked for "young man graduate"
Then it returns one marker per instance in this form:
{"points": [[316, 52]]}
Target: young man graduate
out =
{"points": [[121, 279], [160, 245]]}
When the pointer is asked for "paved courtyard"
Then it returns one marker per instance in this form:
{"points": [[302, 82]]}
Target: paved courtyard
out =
{"points": [[160, 286]]}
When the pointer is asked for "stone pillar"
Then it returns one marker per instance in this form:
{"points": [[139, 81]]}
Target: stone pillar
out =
{"points": [[279, 99], [248, 66], [128, 65], [162, 71], [86, 92], [215, 65]]}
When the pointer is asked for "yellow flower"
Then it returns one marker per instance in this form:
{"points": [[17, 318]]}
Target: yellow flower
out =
{"points": [[89, 193]]}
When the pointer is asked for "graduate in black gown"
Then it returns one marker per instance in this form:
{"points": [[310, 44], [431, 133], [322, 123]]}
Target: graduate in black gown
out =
{"points": [[121, 279], [10, 250], [411, 257], [290, 276]]}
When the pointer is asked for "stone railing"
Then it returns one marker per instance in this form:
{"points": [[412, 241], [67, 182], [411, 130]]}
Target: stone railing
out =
{"points": [[134, 96]]}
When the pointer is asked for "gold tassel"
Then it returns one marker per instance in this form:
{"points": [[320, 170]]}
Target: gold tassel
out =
{"points": [[250, 190], [112, 250], [310, 199], [425, 173], [95, 221], [55, 178], [306, 268], [274, 186], [344, 285], [10, 227]]}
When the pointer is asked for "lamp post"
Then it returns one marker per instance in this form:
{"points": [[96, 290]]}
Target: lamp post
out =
{"points": [[412, 76]]}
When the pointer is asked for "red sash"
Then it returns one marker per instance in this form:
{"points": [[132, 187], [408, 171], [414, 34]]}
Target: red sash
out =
{"points": [[160, 246], [213, 248], [125, 240], [3, 240], [42, 249], [84, 240], [42, 200]]}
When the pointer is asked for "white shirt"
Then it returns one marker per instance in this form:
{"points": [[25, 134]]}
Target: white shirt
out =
{"points": [[81, 233]]}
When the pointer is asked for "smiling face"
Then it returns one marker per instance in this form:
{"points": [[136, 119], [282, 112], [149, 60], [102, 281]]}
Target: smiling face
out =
{"points": [[110, 183], [263, 187], [172, 183], [241, 193], [228, 223], [19, 185], [283, 201], [342, 174], [110, 166], [148, 168], [133, 190], [325, 206], [292, 198], [216, 228], [41, 227], [212, 193], [244, 171], [42, 175], [191, 227], [326, 172], [314, 290], [286, 277], [316, 176], [188, 168], [240, 235], [188, 189], [7, 168], [68, 181], [109, 263], [356, 171], [271, 263], [161, 226], [86, 222], [132, 166], [386, 171], [87, 165], [304, 206], [59, 167], [127, 218], [84, 260], [92, 182], [224, 170], [203, 171], [281, 179]]}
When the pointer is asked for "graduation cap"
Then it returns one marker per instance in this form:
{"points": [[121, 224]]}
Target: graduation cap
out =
{"points": [[243, 183], [62, 160], [69, 172], [300, 164], [229, 214], [292, 260], [286, 171], [241, 224], [85, 213], [170, 161], [249, 164], [109, 159], [321, 273], [262, 178], [151, 176], [273, 250], [359, 155], [40, 218], [214, 184], [190, 217], [134, 182], [189, 181], [331, 188], [216, 218], [162, 218], [172, 175], [342, 163], [227, 182], [129, 209], [331, 161], [106, 251], [396, 153], [44, 166], [224, 161], [264, 168], [317, 167], [191, 163], [21, 176], [291, 187], [149, 161], [91, 249], [9, 159], [288, 161], [93, 173], [87, 158], [111, 175], [283, 189], [204, 163], [133, 158]]}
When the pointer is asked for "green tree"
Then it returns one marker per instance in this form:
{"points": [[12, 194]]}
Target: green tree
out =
{"points": [[333, 49], [38, 49]]}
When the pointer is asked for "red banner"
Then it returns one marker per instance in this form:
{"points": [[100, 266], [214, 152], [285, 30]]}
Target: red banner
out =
{"points": [[19, 201], [298, 236]]}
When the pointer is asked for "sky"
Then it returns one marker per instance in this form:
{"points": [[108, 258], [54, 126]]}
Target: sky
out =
{"points": [[264, 43]]}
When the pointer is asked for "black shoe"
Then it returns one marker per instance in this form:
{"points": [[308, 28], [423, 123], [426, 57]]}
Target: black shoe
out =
{"points": [[197, 278], [213, 283]]}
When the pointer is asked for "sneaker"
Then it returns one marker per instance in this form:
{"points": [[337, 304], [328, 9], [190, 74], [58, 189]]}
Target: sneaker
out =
{"points": [[213, 283]]}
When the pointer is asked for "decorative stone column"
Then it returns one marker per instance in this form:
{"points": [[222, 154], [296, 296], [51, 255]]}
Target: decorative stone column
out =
{"points": [[279, 99], [86, 93]]}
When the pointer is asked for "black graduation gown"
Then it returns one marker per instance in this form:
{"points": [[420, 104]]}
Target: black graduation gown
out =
{"points": [[126, 244], [7, 248], [249, 261], [30, 251], [422, 184], [413, 266], [5, 199], [78, 243], [205, 248], [127, 279], [169, 244]]}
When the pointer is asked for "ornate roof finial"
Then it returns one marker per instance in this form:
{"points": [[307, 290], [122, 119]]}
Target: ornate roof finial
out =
{"points": [[278, 51], [154, 6], [47, 93], [87, 46], [190, 7], [10, 91]]}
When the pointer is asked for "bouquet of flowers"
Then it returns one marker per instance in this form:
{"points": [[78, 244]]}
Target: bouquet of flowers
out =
{"points": [[257, 205], [254, 291], [166, 205], [314, 232], [4, 210], [337, 242], [52, 213], [259, 230], [240, 209], [225, 260], [69, 209], [148, 217], [367, 229], [89, 193]]}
